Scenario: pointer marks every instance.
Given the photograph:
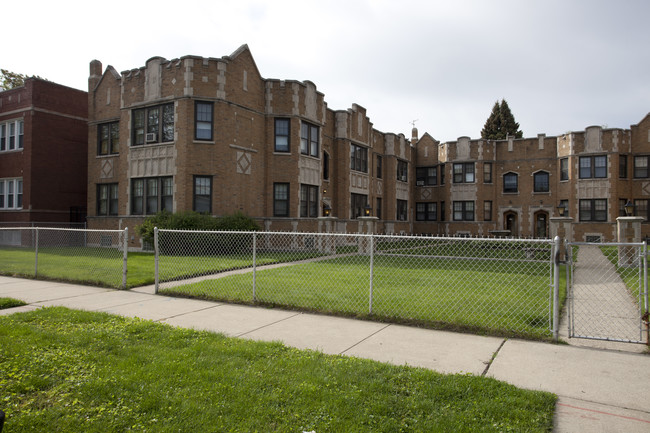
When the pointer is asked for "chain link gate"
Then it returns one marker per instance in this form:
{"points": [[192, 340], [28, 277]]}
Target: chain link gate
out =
{"points": [[607, 291]]}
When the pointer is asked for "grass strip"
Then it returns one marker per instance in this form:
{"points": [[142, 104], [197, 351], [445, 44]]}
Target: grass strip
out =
{"points": [[67, 371], [10, 303]]}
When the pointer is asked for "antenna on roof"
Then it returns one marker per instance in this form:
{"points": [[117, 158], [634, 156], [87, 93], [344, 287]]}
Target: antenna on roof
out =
{"points": [[413, 122]]}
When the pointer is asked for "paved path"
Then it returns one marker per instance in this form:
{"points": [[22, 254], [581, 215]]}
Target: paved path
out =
{"points": [[599, 390], [603, 307]]}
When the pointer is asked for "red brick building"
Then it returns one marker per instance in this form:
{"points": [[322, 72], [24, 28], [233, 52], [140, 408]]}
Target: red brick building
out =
{"points": [[43, 153], [213, 135]]}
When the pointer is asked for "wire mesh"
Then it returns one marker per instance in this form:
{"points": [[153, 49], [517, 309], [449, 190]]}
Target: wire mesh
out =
{"points": [[607, 291], [84, 256], [494, 285]]}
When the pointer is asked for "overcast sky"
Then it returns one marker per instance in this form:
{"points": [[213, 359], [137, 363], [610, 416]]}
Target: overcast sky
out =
{"points": [[562, 65]]}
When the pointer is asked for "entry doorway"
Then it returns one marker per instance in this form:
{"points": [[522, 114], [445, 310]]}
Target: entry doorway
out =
{"points": [[541, 225], [510, 221]]}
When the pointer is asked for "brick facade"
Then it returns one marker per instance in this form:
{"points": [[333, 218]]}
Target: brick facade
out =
{"points": [[48, 161], [195, 132]]}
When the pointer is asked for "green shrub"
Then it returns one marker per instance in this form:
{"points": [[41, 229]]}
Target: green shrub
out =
{"points": [[206, 243]]}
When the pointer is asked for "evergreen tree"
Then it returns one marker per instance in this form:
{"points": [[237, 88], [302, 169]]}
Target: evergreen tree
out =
{"points": [[501, 123]]}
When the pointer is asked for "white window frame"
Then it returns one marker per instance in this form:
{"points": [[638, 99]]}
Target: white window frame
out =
{"points": [[11, 194], [12, 134]]}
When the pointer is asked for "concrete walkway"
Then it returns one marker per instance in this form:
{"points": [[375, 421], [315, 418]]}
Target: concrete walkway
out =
{"points": [[600, 390], [603, 306]]}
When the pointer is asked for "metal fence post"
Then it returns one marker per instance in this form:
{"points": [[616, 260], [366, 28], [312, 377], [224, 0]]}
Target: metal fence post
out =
{"points": [[125, 245], [645, 276], [372, 271], [254, 266], [556, 289], [155, 250], [36, 252]]}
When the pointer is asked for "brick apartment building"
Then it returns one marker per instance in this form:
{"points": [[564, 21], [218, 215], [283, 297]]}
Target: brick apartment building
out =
{"points": [[43, 153], [212, 135]]}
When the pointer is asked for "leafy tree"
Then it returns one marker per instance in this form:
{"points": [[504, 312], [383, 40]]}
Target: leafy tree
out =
{"points": [[10, 80], [501, 123]]}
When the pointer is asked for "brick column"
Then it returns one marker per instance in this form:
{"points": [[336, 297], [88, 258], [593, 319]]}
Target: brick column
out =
{"points": [[327, 244], [367, 225], [628, 229]]}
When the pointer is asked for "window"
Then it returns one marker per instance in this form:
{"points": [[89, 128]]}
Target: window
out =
{"points": [[11, 193], [202, 194], [326, 166], [510, 183], [565, 205], [541, 182], [281, 199], [640, 167], [106, 199], [564, 169], [358, 158], [153, 125], [593, 210], [426, 211], [402, 170], [358, 203], [11, 135], [308, 201], [379, 166], [463, 211], [281, 135], [487, 172], [593, 167], [464, 172], [640, 208], [442, 174], [622, 166], [378, 208], [402, 210], [442, 211], [487, 211], [426, 176], [152, 194], [203, 119], [309, 139], [109, 138]]}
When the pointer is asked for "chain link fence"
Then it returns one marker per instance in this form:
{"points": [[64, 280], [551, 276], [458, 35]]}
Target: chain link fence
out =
{"points": [[95, 257], [496, 286], [608, 293]]}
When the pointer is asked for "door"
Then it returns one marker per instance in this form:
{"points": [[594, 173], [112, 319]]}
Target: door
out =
{"points": [[541, 225], [511, 223]]}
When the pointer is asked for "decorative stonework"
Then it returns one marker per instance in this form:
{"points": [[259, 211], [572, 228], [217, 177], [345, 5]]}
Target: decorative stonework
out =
{"points": [[152, 161], [107, 171], [244, 162]]}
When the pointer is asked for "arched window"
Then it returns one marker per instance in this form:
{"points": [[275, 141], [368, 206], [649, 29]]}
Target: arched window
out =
{"points": [[510, 182], [541, 183]]}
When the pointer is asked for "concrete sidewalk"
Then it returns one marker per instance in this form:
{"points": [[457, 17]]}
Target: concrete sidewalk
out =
{"points": [[600, 390]]}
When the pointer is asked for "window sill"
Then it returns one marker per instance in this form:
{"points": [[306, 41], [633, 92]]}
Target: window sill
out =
{"points": [[112, 155], [195, 141], [276, 152], [166, 143]]}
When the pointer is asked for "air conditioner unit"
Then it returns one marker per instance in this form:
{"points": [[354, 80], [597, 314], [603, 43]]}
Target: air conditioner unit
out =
{"points": [[420, 183], [151, 136]]}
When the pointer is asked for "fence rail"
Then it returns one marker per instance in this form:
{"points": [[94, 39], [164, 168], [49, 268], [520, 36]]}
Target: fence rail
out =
{"points": [[499, 286], [80, 255]]}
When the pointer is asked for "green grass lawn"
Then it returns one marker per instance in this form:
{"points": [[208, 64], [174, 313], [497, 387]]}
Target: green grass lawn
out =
{"points": [[70, 371], [504, 298], [103, 266], [10, 303]]}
